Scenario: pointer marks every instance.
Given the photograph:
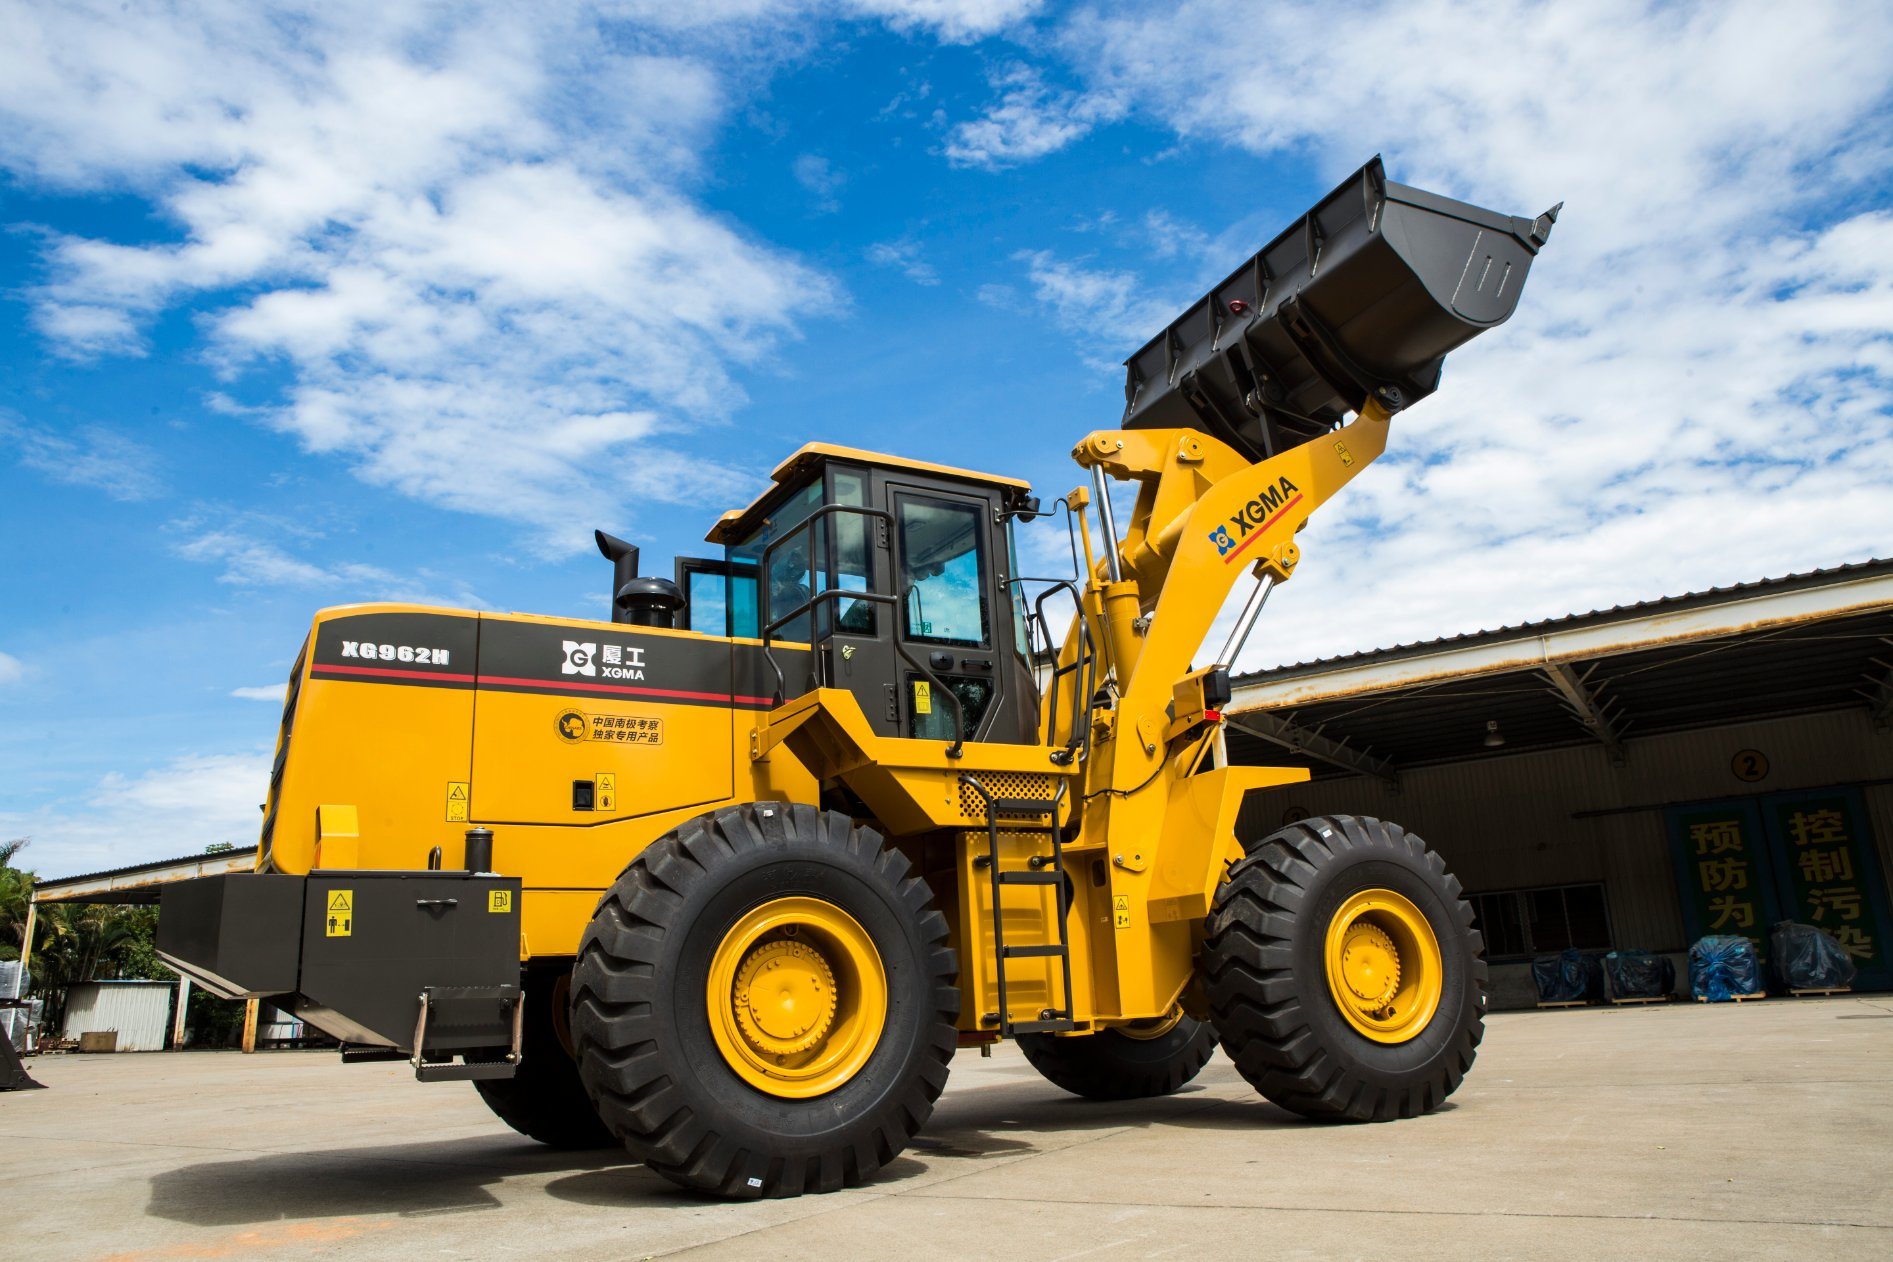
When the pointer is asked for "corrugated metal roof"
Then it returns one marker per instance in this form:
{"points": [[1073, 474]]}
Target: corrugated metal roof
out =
{"points": [[48, 890], [1596, 617], [1801, 669], [1765, 649]]}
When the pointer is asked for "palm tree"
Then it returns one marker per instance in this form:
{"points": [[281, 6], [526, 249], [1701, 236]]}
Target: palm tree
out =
{"points": [[16, 893]]}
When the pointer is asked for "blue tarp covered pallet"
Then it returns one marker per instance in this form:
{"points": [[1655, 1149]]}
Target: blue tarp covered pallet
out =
{"points": [[1805, 957], [1633, 974], [1723, 968], [1568, 977]]}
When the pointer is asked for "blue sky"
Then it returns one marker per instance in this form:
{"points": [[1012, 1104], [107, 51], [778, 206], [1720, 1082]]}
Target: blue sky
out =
{"points": [[308, 304]]}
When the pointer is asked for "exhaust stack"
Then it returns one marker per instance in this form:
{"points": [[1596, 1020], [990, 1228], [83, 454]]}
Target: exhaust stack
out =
{"points": [[624, 567]]}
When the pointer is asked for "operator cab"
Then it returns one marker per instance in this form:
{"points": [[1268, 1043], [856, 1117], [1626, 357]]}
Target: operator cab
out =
{"points": [[897, 579]]}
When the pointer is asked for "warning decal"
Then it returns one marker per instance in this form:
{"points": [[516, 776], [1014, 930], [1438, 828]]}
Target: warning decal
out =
{"points": [[1121, 911], [457, 801], [605, 791], [923, 697], [498, 901], [341, 913]]}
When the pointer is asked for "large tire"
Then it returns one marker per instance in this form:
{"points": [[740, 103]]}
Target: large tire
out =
{"points": [[1114, 1065], [642, 1020], [544, 1099], [1279, 1016]]}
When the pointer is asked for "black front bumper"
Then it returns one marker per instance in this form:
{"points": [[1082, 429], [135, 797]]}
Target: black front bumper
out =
{"points": [[353, 953]]}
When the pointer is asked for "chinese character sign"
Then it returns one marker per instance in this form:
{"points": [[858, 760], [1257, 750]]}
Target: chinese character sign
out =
{"points": [[1830, 875], [1719, 870]]}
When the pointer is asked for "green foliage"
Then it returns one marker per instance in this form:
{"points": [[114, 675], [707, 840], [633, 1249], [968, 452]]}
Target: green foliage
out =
{"points": [[138, 954], [218, 847], [16, 891], [213, 1022], [75, 942]]}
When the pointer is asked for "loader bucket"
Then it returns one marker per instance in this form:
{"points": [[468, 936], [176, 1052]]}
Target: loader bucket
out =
{"points": [[1365, 295]]}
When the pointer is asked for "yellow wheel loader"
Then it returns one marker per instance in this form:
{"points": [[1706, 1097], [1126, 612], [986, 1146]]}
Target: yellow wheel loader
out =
{"points": [[728, 878]]}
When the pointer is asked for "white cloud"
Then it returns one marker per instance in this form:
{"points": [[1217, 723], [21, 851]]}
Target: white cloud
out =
{"points": [[272, 693], [1109, 312], [1170, 237], [904, 257], [1027, 122], [12, 671], [81, 331], [174, 809], [91, 456], [1698, 387], [819, 176], [956, 21], [480, 262], [953, 21], [251, 561]]}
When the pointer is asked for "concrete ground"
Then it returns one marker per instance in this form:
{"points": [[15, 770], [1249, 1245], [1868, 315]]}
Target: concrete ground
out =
{"points": [[1750, 1131]]}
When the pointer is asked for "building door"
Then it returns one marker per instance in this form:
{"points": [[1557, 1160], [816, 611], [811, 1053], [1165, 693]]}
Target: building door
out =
{"points": [[1744, 863]]}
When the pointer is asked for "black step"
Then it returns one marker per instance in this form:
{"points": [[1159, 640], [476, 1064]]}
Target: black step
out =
{"points": [[1024, 806], [1028, 878], [436, 994], [355, 1054], [463, 1073], [1041, 1027], [1050, 950]]}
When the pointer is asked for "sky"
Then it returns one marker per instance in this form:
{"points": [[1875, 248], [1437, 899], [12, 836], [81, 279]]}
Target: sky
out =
{"points": [[302, 305]]}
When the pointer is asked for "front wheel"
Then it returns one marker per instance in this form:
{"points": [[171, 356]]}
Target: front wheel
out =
{"points": [[764, 1003], [1345, 978]]}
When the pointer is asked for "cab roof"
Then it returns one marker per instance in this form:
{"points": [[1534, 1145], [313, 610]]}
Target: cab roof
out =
{"points": [[797, 468]]}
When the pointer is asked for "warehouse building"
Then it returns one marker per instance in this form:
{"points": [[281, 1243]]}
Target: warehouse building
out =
{"points": [[1632, 778]]}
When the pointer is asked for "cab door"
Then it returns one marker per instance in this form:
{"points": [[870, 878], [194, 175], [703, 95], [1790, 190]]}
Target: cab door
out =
{"points": [[946, 571]]}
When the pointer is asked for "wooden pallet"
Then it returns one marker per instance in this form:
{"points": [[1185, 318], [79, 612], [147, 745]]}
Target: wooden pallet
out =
{"points": [[1760, 994], [1644, 999], [1563, 1003], [1837, 990]]}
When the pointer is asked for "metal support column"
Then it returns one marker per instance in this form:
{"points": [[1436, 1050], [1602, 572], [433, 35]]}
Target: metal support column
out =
{"points": [[183, 1005], [26, 947]]}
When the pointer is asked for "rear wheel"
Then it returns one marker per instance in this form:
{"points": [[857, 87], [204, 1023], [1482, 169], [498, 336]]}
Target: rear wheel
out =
{"points": [[1345, 978], [764, 1003], [544, 1099], [1130, 1062]]}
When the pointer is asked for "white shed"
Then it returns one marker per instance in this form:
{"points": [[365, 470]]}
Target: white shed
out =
{"points": [[139, 1010]]}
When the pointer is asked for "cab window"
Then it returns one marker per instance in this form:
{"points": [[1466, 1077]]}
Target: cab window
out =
{"points": [[943, 573], [718, 599], [789, 566], [851, 560]]}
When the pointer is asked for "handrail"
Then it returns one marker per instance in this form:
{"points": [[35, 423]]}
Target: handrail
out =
{"points": [[807, 524], [1079, 742]]}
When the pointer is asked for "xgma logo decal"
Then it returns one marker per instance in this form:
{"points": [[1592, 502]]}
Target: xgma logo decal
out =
{"points": [[614, 661], [1254, 517]]}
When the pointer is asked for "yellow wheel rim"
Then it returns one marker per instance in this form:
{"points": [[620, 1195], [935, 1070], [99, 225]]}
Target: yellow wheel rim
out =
{"points": [[1144, 1031], [1383, 964], [797, 997]]}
